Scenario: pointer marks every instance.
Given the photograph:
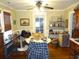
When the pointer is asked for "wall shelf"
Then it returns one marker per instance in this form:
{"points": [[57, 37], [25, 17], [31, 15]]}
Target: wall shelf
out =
{"points": [[58, 25]]}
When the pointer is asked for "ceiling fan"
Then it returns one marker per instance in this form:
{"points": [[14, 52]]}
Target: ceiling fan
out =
{"points": [[39, 5]]}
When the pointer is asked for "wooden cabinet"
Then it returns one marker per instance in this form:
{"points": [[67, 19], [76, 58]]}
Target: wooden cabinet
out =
{"points": [[1, 46], [5, 26], [7, 21], [75, 33], [74, 48], [76, 19]]}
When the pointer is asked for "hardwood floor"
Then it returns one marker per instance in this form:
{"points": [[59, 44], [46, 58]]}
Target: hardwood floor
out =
{"points": [[54, 53], [59, 53]]}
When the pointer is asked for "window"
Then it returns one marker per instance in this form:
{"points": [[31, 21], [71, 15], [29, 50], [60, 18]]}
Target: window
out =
{"points": [[39, 24]]}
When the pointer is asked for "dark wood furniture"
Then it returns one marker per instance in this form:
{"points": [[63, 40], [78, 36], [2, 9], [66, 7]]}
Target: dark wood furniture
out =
{"points": [[4, 48], [76, 14], [1, 46], [7, 21], [74, 49], [75, 32]]}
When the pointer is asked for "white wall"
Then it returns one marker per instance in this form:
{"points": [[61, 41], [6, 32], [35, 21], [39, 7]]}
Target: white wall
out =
{"points": [[47, 15], [24, 14]]}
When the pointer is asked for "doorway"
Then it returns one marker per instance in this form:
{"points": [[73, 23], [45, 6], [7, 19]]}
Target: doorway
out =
{"points": [[71, 23]]}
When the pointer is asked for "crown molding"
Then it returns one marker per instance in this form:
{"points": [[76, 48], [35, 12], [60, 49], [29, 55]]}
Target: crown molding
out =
{"points": [[45, 10], [75, 4]]}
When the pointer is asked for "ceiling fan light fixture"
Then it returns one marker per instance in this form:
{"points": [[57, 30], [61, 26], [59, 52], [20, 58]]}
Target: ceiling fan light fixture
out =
{"points": [[39, 4]]}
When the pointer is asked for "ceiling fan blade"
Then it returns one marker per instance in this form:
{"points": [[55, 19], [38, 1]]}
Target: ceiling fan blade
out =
{"points": [[48, 7]]}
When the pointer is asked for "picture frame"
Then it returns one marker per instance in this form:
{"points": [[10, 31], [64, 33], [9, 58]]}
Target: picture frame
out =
{"points": [[24, 21]]}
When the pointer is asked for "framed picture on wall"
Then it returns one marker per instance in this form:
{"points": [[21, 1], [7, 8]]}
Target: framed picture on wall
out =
{"points": [[24, 21]]}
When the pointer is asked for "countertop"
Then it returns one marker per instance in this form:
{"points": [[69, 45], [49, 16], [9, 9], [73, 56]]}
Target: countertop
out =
{"points": [[74, 40]]}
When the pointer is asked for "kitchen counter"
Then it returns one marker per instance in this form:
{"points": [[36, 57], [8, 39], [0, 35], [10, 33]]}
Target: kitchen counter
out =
{"points": [[74, 46], [75, 40]]}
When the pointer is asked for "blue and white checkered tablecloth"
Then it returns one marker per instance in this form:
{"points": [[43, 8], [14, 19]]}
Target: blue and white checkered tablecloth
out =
{"points": [[38, 50]]}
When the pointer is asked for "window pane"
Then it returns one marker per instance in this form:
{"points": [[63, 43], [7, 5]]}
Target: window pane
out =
{"points": [[39, 25]]}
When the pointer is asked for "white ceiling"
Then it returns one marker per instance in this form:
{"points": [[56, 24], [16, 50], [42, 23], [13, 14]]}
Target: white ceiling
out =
{"points": [[26, 4]]}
